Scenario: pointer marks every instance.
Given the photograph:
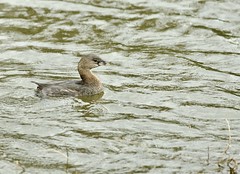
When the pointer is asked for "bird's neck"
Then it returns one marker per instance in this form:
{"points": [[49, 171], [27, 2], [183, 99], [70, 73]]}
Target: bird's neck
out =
{"points": [[88, 77]]}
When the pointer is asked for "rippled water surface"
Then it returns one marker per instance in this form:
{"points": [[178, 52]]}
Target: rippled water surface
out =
{"points": [[172, 86]]}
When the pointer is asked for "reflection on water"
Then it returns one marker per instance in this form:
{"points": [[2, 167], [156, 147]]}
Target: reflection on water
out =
{"points": [[172, 80], [92, 98]]}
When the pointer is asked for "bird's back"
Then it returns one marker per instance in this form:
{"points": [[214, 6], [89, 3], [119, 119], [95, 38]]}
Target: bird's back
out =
{"points": [[67, 88]]}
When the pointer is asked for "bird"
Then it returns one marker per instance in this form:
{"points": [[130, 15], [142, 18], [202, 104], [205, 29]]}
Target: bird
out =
{"points": [[87, 85]]}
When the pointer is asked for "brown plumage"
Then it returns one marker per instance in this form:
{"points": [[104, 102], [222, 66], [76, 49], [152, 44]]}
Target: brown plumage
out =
{"points": [[88, 85]]}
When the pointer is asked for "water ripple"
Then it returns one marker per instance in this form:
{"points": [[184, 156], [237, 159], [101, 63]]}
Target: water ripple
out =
{"points": [[171, 80]]}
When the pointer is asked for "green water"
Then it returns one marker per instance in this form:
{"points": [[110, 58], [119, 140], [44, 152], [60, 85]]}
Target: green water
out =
{"points": [[172, 86]]}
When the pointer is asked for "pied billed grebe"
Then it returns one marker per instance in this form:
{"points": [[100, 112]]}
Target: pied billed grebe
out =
{"points": [[89, 85]]}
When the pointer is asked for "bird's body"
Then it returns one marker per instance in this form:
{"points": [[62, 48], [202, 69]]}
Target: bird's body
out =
{"points": [[88, 85]]}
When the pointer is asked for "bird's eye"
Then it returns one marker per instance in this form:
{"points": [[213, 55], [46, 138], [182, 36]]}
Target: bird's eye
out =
{"points": [[95, 60]]}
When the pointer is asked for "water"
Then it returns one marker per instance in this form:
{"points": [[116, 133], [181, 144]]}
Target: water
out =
{"points": [[172, 91]]}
